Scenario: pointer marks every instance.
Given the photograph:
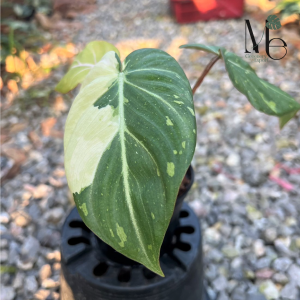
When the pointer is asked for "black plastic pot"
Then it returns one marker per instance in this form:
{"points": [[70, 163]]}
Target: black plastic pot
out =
{"points": [[92, 270]]}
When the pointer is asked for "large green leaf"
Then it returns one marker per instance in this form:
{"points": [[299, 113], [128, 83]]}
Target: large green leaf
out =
{"points": [[83, 63], [263, 95], [129, 139]]}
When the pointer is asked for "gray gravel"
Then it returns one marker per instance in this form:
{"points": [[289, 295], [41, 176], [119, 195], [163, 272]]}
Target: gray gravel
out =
{"points": [[251, 227]]}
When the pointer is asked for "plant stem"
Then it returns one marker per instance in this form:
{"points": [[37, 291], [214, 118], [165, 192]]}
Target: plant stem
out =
{"points": [[204, 73]]}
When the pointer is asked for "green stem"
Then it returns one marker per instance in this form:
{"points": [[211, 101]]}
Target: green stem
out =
{"points": [[11, 40], [204, 73]]}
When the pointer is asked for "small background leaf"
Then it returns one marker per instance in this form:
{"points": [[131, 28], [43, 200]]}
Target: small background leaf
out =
{"points": [[83, 63], [273, 22], [210, 49], [263, 95]]}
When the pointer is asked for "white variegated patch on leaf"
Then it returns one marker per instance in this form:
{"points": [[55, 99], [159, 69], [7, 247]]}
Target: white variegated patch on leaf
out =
{"points": [[83, 63], [129, 139]]}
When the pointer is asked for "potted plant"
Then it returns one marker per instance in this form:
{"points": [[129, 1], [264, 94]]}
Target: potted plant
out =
{"points": [[129, 141]]}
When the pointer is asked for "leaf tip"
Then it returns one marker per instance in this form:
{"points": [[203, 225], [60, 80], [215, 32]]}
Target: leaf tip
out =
{"points": [[158, 270], [61, 89]]}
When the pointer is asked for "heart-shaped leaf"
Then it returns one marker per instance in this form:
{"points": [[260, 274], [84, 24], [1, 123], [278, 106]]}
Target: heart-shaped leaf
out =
{"points": [[263, 95], [129, 139], [83, 63], [273, 22]]}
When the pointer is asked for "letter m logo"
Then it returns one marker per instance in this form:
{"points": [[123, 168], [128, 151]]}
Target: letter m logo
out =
{"points": [[255, 46]]}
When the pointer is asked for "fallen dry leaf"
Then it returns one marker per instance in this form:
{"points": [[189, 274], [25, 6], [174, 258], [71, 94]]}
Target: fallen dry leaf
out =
{"points": [[14, 64], [45, 48], [264, 5], [10, 173], [290, 19], [291, 35], [17, 155], [44, 21], [47, 126], [57, 134], [35, 139], [17, 127], [56, 182], [59, 172], [128, 46], [174, 50], [59, 105], [63, 52], [65, 7], [38, 192], [13, 86], [4, 137], [31, 64]]}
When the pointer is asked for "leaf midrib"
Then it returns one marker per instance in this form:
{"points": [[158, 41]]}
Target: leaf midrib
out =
{"points": [[122, 129]]}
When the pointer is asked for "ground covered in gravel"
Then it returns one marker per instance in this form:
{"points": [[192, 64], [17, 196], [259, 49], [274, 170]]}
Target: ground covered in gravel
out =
{"points": [[247, 177]]}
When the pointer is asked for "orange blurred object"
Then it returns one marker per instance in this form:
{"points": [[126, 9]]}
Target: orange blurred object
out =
{"points": [[14, 64], [12, 86], [47, 126], [189, 11], [264, 5], [174, 50], [205, 5], [128, 46]]}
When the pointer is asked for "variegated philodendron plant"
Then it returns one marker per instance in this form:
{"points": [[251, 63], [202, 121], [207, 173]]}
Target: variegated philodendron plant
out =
{"points": [[130, 137]]}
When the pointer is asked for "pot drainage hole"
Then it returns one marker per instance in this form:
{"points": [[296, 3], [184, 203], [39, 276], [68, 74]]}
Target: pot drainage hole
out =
{"points": [[100, 269], [184, 214], [77, 240], [183, 246], [148, 274], [79, 224], [124, 275]]}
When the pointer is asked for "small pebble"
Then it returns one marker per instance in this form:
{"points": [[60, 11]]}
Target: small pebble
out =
{"points": [[280, 278], [294, 274], [3, 256], [259, 248], [31, 284], [281, 264], [230, 252], [289, 292], [45, 272], [269, 289], [7, 293], [4, 217]]}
